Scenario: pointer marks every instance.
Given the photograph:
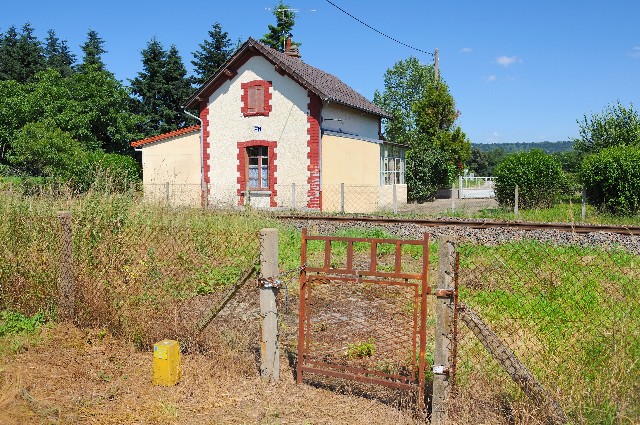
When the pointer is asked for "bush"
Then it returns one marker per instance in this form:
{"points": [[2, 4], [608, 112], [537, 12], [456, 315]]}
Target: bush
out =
{"points": [[612, 179], [428, 169], [538, 175]]}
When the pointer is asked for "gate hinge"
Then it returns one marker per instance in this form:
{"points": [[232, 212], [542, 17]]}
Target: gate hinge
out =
{"points": [[445, 292]]}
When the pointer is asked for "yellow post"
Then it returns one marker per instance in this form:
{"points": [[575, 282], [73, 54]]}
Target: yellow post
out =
{"points": [[167, 370]]}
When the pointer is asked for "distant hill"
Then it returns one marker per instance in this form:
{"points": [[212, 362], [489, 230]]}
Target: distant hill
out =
{"points": [[548, 147]]}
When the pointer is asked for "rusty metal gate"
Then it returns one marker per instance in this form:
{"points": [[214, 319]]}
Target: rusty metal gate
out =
{"points": [[363, 309]]}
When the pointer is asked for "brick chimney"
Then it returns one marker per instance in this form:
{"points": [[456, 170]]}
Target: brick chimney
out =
{"points": [[291, 49]]}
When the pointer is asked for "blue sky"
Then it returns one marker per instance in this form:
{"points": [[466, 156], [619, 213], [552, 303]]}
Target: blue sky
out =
{"points": [[519, 71]]}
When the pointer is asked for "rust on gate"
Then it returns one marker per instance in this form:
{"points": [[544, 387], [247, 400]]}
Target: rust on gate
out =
{"points": [[363, 313]]}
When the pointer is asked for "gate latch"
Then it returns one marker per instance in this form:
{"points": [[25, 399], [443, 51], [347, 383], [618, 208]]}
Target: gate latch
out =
{"points": [[269, 282], [440, 370]]}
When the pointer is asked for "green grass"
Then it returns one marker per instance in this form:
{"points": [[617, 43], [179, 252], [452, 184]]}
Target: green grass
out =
{"points": [[571, 314]]}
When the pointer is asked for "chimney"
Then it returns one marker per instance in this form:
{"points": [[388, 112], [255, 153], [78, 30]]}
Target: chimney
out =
{"points": [[291, 49], [287, 45]]}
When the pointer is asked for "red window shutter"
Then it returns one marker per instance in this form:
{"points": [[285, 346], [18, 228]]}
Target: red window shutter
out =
{"points": [[252, 100]]}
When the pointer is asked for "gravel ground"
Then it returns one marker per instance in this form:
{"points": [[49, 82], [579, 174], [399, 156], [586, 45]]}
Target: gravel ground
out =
{"points": [[491, 236]]}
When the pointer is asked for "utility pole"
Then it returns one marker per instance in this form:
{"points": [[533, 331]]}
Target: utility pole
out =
{"points": [[436, 68]]}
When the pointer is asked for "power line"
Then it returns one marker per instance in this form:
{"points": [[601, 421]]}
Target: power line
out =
{"points": [[379, 32]]}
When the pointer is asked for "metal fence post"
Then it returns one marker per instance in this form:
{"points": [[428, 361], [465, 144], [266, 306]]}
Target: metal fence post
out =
{"points": [[584, 204], [342, 198], [293, 196], [269, 350], [66, 290], [444, 310], [515, 203]]}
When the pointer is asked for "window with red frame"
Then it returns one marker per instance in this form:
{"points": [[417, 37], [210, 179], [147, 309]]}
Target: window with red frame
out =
{"points": [[256, 98], [258, 168]]}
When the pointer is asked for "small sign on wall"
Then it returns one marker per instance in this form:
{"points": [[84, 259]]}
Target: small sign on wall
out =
{"points": [[257, 128]]}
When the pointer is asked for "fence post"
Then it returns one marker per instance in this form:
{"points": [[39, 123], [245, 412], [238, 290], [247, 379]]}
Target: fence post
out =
{"points": [[515, 203], [342, 198], [460, 183], [444, 330], [66, 290], [293, 196], [166, 191], [395, 199], [269, 350], [453, 197], [584, 204]]}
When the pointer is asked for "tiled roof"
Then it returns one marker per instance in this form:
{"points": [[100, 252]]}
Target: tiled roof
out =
{"points": [[328, 87], [163, 136]]}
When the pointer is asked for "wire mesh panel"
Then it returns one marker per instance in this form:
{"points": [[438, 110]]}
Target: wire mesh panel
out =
{"points": [[363, 310], [569, 314]]}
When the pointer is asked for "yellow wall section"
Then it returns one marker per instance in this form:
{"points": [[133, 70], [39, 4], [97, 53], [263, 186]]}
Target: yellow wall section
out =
{"points": [[177, 161], [350, 161], [355, 163]]}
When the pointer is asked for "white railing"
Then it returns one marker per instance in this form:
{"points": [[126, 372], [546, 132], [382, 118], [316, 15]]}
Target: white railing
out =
{"points": [[476, 187]]}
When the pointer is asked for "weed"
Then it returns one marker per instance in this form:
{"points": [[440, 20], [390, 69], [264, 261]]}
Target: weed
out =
{"points": [[360, 350]]}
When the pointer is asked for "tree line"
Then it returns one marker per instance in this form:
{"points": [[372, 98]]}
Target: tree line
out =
{"points": [[68, 120]]}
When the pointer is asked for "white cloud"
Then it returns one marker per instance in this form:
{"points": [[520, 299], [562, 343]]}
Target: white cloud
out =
{"points": [[507, 60], [635, 52], [466, 50], [490, 78]]}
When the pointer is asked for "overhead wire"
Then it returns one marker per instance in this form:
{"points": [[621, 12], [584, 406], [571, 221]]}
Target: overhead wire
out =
{"points": [[378, 31]]}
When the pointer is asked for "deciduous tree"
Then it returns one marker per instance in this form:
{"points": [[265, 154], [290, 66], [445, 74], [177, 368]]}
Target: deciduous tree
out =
{"points": [[615, 126]]}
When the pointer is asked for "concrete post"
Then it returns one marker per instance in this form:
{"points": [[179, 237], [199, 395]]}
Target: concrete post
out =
{"points": [[453, 197], [584, 204], [515, 203], [460, 183], [66, 290], [342, 198], [269, 346], [444, 330], [395, 199], [293, 196]]}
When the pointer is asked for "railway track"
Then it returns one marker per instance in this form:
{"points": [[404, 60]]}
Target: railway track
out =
{"points": [[474, 224]]}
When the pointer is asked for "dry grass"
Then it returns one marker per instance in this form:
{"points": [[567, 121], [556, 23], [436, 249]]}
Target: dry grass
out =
{"points": [[87, 376]]}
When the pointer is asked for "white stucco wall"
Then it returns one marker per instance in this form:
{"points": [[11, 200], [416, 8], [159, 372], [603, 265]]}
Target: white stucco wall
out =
{"points": [[340, 119], [175, 161], [286, 124]]}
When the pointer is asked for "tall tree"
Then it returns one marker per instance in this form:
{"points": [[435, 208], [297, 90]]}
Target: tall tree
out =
{"points": [[93, 50], [58, 55], [424, 116], [213, 53], [161, 88], [285, 20], [21, 56]]}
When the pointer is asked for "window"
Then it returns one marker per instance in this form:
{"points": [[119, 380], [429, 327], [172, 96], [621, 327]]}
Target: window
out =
{"points": [[256, 98], [392, 164], [258, 168]]}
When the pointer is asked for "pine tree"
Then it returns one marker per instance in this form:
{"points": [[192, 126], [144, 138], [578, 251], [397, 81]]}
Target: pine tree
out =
{"points": [[285, 20], [213, 53], [161, 88], [93, 50], [21, 56], [58, 55]]}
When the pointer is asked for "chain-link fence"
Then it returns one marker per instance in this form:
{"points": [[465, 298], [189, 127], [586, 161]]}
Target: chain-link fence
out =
{"points": [[568, 314], [138, 270]]}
